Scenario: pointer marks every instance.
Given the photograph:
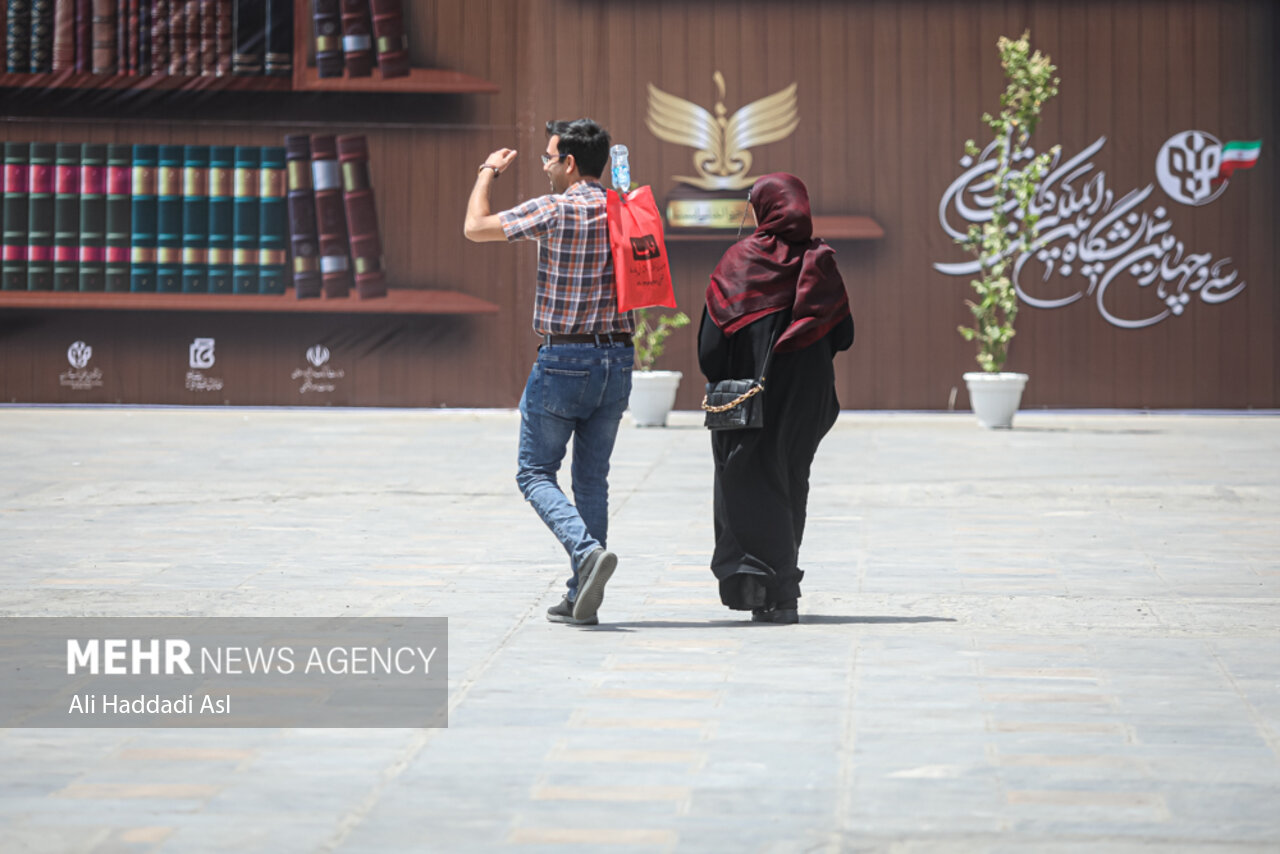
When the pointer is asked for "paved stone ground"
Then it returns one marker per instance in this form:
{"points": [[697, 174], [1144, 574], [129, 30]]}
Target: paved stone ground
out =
{"points": [[1064, 637]]}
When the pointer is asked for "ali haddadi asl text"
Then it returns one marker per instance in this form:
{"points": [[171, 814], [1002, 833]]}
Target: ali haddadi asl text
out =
{"points": [[154, 704]]}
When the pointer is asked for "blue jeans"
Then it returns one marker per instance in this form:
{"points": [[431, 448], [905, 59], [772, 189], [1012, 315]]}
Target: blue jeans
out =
{"points": [[579, 391]]}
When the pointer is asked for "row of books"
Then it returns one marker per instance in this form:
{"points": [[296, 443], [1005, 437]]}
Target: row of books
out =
{"points": [[150, 37], [350, 34], [191, 218]]}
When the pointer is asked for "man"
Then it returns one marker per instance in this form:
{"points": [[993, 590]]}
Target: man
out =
{"points": [[581, 379]]}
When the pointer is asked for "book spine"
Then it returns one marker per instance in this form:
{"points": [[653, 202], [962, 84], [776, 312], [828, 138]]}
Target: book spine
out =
{"points": [[131, 35], [331, 218], [222, 37], [273, 254], [122, 36], [177, 37], [208, 38], [64, 35], [104, 37], [250, 30], [145, 47], [119, 236], [159, 36], [390, 41], [93, 216], [17, 174], [191, 31], [222, 161], [362, 217], [66, 217], [195, 220], [357, 38], [302, 217], [41, 36], [326, 18], [279, 38], [84, 36], [40, 217], [169, 220], [142, 251], [244, 273], [18, 37]]}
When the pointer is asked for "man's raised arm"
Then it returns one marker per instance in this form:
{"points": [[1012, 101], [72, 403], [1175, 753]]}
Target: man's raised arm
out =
{"points": [[480, 225]]}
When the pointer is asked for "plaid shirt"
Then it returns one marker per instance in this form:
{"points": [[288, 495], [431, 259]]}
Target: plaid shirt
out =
{"points": [[576, 292]]}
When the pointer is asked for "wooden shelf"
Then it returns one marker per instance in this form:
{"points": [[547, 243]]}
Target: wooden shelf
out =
{"points": [[419, 81], [826, 227], [176, 83], [398, 301]]}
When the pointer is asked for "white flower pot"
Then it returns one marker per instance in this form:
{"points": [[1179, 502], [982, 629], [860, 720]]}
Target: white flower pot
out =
{"points": [[653, 393], [995, 397]]}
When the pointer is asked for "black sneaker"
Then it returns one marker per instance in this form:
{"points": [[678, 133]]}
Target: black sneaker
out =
{"points": [[594, 574], [563, 613]]}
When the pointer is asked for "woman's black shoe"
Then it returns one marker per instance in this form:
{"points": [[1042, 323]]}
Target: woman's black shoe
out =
{"points": [[784, 614]]}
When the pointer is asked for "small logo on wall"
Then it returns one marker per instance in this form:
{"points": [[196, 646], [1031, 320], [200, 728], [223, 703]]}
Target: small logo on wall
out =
{"points": [[1194, 167], [200, 358], [78, 378], [317, 355], [202, 353], [319, 377], [79, 354]]}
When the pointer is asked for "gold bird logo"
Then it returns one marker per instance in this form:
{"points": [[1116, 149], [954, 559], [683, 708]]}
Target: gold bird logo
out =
{"points": [[722, 157]]}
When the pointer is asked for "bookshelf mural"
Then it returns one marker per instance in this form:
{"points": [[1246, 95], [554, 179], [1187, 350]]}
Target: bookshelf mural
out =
{"points": [[192, 219]]}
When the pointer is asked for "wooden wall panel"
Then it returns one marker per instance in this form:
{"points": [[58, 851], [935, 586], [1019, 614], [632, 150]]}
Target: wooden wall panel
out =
{"points": [[888, 92]]}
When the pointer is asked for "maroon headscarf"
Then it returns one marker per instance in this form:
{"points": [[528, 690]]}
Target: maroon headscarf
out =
{"points": [[779, 266]]}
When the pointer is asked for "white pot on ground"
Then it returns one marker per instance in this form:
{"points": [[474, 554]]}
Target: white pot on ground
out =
{"points": [[653, 393], [995, 397]]}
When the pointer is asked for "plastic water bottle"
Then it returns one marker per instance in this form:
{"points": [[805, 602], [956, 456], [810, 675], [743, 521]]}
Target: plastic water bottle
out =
{"points": [[621, 168]]}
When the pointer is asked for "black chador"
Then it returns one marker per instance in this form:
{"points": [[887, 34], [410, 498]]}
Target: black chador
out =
{"points": [[779, 285]]}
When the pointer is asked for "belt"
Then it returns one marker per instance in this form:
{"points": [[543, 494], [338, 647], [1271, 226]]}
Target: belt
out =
{"points": [[598, 339]]}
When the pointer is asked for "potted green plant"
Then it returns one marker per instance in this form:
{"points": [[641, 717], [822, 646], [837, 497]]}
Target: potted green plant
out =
{"points": [[994, 393], [653, 393]]}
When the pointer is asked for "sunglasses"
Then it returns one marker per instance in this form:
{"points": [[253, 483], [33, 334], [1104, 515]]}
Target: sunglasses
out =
{"points": [[548, 158]]}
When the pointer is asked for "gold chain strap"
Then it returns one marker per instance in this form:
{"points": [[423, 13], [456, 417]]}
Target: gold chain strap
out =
{"points": [[737, 401]]}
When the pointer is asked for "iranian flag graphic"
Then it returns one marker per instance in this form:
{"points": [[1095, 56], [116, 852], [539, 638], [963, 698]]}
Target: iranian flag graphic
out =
{"points": [[1238, 154]]}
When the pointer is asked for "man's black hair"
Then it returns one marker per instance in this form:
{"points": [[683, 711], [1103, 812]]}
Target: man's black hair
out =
{"points": [[586, 141]]}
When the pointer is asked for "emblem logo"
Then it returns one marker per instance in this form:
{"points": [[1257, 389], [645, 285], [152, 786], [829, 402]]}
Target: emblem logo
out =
{"points": [[317, 355], [320, 376], [721, 158], [202, 353], [79, 354], [1194, 167]]}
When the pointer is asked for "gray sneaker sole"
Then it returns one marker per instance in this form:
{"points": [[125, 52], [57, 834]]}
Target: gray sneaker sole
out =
{"points": [[572, 621], [591, 587]]}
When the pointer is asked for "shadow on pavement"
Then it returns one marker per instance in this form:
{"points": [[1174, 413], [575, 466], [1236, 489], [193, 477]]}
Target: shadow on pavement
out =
{"points": [[815, 619]]}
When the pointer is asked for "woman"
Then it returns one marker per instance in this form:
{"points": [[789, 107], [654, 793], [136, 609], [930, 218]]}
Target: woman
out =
{"points": [[780, 286]]}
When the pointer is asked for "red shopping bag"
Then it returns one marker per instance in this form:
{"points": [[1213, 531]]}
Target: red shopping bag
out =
{"points": [[639, 252]]}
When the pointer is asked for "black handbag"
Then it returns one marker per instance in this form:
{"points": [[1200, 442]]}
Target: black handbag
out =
{"points": [[738, 404]]}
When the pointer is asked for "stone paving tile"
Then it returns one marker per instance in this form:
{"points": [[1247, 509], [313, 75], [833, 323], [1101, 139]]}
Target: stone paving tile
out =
{"points": [[1098, 677]]}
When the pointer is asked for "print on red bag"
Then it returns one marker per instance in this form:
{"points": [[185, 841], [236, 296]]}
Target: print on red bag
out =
{"points": [[645, 248]]}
